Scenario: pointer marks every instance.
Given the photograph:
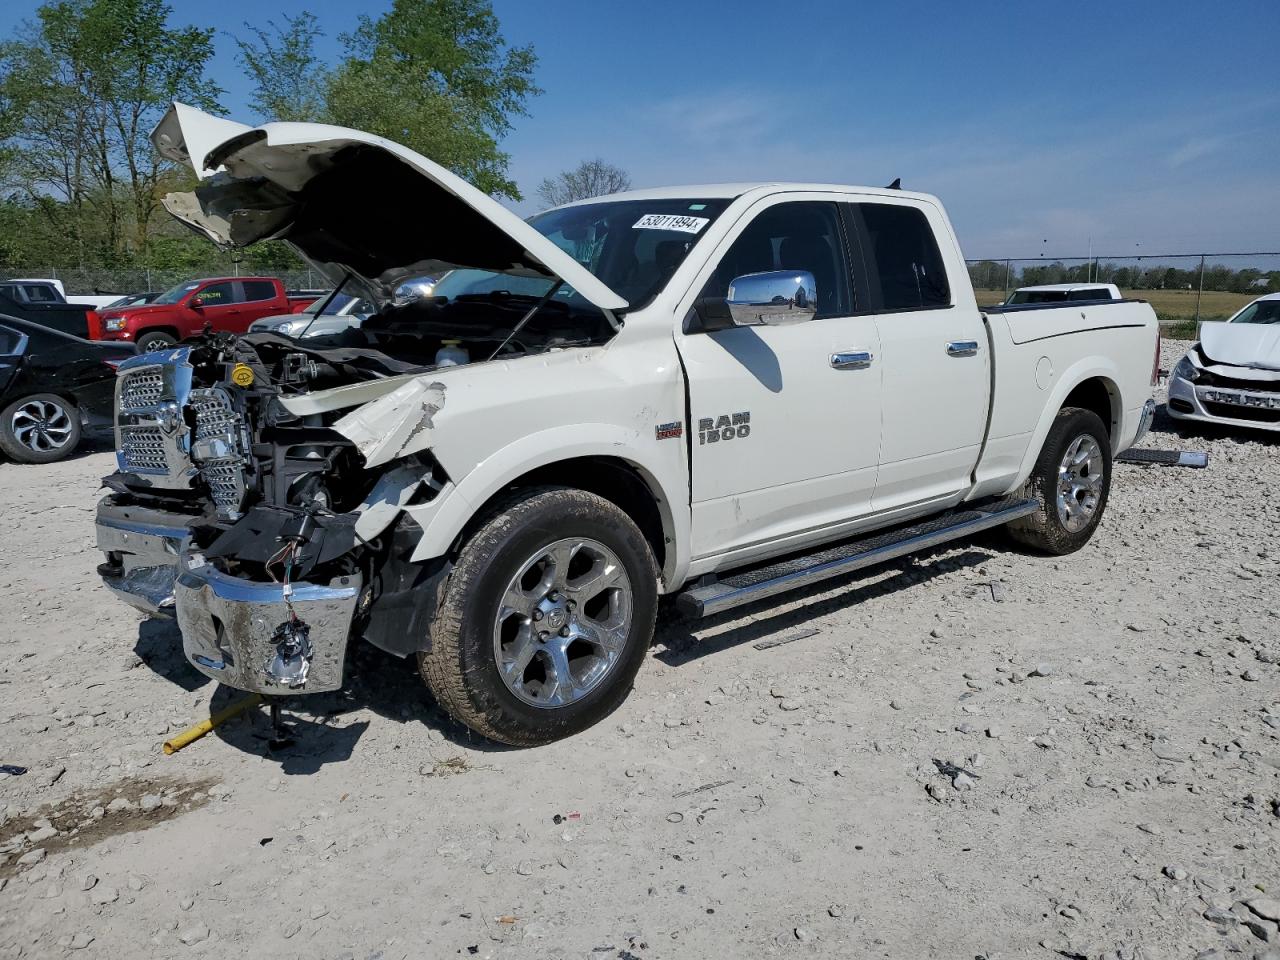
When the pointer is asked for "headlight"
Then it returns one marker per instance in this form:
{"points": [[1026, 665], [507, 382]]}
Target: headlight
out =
{"points": [[286, 327], [116, 323], [1186, 370]]}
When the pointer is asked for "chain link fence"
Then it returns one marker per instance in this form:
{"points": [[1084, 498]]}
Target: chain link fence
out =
{"points": [[145, 279], [1183, 288]]}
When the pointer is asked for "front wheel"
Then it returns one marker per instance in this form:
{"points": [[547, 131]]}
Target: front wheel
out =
{"points": [[545, 618], [1071, 480], [39, 429]]}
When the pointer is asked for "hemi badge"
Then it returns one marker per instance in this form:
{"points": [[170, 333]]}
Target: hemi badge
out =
{"points": [[242, 375], [669, 431]]}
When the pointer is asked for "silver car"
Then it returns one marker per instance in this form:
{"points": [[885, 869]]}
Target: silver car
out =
{"points": [[343, 313]]}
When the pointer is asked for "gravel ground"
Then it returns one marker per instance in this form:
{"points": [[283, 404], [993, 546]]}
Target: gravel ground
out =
{"points": [[1088, 767]]}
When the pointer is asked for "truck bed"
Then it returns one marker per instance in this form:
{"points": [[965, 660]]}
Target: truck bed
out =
{"points": [[1038, 321]]}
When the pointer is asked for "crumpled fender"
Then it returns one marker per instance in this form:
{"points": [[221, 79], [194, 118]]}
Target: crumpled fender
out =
{"points": [[396, 424]]}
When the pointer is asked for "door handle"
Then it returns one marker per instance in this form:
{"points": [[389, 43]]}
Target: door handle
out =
{"points": [[962, 348], [856, 360]]}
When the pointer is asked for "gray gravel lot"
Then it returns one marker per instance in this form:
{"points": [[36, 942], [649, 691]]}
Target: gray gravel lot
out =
{"points": [[1088, 768]]}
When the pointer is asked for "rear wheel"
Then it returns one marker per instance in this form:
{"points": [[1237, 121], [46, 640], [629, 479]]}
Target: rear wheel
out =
{"points": [[156, 340], [1071, 480], [39, 429], [545, 618]]}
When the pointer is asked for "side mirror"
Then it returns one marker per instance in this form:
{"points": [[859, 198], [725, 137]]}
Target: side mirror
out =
{"points": [[197, 303], [772, 298]]}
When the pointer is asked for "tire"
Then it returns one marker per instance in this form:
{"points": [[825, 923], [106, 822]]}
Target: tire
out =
{"points": [[506, 575], [1065, 529], [40, 428], [155, 340]]}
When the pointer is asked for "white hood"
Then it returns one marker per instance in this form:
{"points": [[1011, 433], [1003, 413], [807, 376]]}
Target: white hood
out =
{"points": [[1255, 345], [352, 203]]}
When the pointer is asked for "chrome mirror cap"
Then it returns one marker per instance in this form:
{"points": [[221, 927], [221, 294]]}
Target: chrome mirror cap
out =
{"points": [[772, 297], [419, 288]]}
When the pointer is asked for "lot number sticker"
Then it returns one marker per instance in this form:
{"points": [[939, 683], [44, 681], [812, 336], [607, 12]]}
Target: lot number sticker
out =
{"points": [[671, 221]]}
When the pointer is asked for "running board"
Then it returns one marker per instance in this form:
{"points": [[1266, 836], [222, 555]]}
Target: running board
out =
{"points": [[757, 584], [1166, 458]]}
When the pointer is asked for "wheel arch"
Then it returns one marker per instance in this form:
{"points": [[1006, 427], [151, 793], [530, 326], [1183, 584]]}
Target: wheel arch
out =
{"points": [[592, 464], [1091, 384], [159, 328]]}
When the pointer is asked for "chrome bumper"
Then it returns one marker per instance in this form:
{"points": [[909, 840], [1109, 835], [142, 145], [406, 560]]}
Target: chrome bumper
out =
{"points": [[142, 548], [228, 625]]}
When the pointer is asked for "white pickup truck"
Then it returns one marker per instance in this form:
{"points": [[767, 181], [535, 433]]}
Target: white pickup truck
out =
{"points": [[717, 392]]}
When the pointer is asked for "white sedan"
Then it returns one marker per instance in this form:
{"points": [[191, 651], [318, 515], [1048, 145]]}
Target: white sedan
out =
{"points": [[1232, 375]]}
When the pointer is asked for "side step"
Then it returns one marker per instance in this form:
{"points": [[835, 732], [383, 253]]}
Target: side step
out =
{"points": [[800, 571], [1166, 458]]}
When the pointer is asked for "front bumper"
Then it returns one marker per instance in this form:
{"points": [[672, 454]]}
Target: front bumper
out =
{"points": [[142, 550], [228, 626], [1188, 402], [227, 623]]}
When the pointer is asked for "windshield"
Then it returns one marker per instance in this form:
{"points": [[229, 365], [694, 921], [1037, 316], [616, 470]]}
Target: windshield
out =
{"points": [[1260, 311], [177, 293], [632, 246]]}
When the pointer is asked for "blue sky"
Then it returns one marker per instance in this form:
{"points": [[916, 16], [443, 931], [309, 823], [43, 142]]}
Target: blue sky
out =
{"points": [[1151, 126]]}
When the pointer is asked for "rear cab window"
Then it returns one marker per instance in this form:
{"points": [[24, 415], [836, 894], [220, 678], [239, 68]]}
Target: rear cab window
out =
{"points": [[904, 266], [40, 293], [259, 290]]}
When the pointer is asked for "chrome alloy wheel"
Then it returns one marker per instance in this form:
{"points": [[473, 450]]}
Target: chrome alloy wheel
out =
{"points": [[562, 622], [1080, 483], [41, 425]]}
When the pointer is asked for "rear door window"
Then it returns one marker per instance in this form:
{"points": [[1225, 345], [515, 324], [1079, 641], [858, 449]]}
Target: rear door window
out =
{"points": [[39, 293], [903, 263], [259, 290]]}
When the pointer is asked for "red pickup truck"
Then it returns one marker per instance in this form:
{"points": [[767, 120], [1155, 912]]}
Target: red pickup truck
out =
{"points": [[225, 304]]}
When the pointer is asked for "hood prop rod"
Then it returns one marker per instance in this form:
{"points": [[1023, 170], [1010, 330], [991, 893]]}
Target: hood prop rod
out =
{"points": [[555, 288], [327, 300]]}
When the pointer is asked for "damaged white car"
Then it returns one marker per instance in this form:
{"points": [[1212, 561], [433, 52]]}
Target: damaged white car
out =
{"points": [[718, 392], [1232, 375]]}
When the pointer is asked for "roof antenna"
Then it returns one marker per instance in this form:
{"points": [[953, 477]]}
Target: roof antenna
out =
{"points": [[896, 185]]}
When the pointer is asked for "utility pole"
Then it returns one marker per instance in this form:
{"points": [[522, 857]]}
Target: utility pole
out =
{"points": [[1200, 291]]}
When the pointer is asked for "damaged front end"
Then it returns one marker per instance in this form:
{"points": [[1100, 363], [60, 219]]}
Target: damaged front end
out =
{"points": [[265, 533], [266, 487]]}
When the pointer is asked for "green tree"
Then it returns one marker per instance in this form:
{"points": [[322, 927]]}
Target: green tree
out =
{"points": [[87, 80], [289, 79], [437, 76]]}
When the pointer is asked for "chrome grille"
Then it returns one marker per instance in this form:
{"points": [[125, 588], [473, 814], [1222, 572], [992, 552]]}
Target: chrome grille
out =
{"points": [[214, 416], [152, 437], [140, 389], [143, 449], [226, 483], [218, 448]]}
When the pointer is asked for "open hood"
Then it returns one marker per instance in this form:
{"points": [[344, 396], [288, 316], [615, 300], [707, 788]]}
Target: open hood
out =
{"points": [[1255, 345], [352, 203]]}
